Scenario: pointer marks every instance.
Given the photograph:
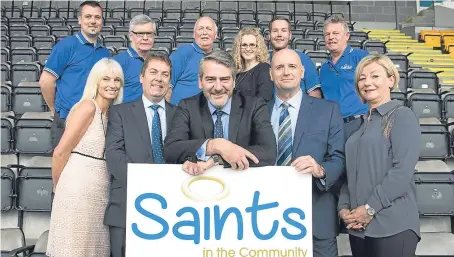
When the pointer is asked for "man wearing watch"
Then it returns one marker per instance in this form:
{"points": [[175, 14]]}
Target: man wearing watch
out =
{"points": [[310, 137], [217, 126]]}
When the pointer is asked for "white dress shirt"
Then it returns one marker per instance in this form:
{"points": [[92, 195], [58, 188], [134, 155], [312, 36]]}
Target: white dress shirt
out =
{"points": [[293, 109], [150, 114]]}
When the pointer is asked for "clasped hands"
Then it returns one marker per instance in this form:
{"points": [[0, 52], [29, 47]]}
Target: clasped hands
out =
{"points": [[356, 219], [234, 154]]}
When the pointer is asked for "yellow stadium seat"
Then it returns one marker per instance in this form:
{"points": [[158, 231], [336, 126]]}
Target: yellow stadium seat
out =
{"points": [[433, 39], [423, 33], [448, 39]]}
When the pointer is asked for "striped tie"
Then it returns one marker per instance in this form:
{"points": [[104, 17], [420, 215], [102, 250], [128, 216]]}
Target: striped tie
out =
{"points": [[284, 145]]}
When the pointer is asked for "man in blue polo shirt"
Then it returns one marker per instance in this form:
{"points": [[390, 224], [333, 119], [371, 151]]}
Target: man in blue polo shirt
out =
{"points": [[337, 74], [185, 61], [142, 31], [280, 36], [65, 73]]}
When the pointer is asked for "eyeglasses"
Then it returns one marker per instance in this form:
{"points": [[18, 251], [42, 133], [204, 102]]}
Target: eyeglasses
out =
{"points": [[142, 34], [252, 46]]}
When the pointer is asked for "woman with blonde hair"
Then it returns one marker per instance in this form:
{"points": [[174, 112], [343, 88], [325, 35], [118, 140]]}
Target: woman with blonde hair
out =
{"points": [[378, 200], [79, 172], [251, 55]]}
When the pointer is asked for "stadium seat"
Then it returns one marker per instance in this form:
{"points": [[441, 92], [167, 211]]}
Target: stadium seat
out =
{"points": [[244, 14], [434, 189], [229, 32], [448, 105], [32, 133], [4, 30], [167, 22], [285, 14], [25, 72], [155, 13], [166, 42], [318, 16], [23, 54], [39, 249], [301, 16], [114, 41], [321, 45], [36, 21], [56, 22], [29, 12], [12, 238], [169, 32], [114, 22], [214, 14], [12, 12], [434, 142], [374, 47], [44, 42], [180, 40], [421, 79], [40, 30], [403, 81], [5, 41], [191, 14], [6, 55], [248, 23], [185, 32], [61, 32], [6, 97], [136, 11], [314, 34], [49, 12], [34, 188], [399, 60], [21, 41], [7, 140], [42, 54], [304, 44], [6, 72], [396, 94], [66, 12], [119, 13], [227, 23], [173, 14], [358, 35], [265, 15], [17, 21], [28, 98], [425, 103], [355, 44], [121, 30], [228, 42], [7, 188]]}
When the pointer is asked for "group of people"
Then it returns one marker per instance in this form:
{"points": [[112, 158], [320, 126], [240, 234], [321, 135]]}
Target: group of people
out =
{"points": [[202, 107]]}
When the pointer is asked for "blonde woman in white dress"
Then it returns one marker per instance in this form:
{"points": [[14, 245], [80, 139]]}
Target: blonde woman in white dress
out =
{"points": [[79, 171]]}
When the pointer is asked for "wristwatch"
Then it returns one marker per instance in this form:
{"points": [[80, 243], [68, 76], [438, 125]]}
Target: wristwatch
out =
{"points": [[370, 210], [217, 160]]}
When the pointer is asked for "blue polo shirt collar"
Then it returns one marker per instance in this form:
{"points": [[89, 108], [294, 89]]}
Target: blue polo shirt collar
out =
{"points": [[197, 48], [348, 50], [84, 41], [133, 54]]}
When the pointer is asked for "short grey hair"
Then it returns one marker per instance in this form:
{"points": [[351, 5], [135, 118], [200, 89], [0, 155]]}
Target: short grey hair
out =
{"points": [[220, 57], [140, 20], [337, 19]]}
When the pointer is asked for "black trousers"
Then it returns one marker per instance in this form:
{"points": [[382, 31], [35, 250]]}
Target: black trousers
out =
{"points": [[400, 245], [117, 241], [57, 129]]}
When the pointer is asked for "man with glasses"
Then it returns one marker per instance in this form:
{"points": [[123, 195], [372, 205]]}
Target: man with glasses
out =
{"points": [[186, 58], [142, 31]]}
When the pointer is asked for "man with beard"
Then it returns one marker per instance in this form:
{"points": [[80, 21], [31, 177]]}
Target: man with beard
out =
{"points": [[280, 37], [142, 31], [66, 70], [135, 134], [311, 139], [337, 74], [186, 59], [217, 127]]}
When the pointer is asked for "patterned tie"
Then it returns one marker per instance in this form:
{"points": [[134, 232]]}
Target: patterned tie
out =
{"points": [[156, 136], [218, 131], [284, 145]]}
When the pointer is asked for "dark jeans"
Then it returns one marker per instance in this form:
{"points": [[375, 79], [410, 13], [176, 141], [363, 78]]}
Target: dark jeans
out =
{"points": [[402, 244]]}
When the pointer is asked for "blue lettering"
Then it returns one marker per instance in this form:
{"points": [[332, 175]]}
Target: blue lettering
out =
{"points": [[206, 227], [254, 209], [292, 222], [219, 221], [141, 210], [195, 223]]}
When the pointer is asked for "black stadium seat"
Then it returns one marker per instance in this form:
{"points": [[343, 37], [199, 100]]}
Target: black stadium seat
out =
{"points": [[424, 103], [7, 188], [40, 30], [6, 97], [34, 188], [6, 55], [40, 42], [25, 72], [23, 54], [20, 41], [32, 133], [28, 98]]}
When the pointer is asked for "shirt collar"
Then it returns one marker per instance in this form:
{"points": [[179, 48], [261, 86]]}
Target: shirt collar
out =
{"points": [[197, 48], [133, 53], [147, 103], [386, 107], [226, 109], [348, 50], [84, 41], [294, 101]]}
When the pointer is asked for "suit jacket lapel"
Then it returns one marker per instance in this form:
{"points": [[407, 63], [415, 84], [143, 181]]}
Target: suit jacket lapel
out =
{"points": [[236, 111], [170, 111], [207, 120], [138, 111], [303, 120]]}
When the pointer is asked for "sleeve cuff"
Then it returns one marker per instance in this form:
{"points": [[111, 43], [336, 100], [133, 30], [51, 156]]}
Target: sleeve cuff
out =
{"points": [[51, 71], [201, 152], [378, 201], [313, 88]]}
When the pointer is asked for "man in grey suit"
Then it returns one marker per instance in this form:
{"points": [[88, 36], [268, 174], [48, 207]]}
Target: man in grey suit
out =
{"points": [[135, 134], [310, 137]]}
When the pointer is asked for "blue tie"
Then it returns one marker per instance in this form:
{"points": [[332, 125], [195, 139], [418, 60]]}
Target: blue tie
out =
{"points": [[218, 130], [284, 145], [156, 136]]}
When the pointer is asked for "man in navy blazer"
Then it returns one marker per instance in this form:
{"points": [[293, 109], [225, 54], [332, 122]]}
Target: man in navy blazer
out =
{"points": [[310, 137]]}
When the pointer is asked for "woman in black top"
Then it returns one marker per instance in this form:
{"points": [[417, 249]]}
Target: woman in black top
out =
{"points": [[378, 201], [251, 54]]}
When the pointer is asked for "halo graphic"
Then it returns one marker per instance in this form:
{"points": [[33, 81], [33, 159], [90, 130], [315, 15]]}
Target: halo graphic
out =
{"points": [[185, 188]]}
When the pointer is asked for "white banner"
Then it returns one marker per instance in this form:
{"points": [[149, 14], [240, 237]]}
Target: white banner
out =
{"points": [[260, 212]]}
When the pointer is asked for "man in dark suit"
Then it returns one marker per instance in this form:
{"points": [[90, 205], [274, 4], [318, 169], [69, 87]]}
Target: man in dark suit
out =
{"points": [[311, 139], [217, 127], [135, 134]]}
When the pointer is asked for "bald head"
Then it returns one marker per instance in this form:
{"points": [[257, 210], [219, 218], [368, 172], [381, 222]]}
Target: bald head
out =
{"points": [[205, 33], [286, 72]]}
